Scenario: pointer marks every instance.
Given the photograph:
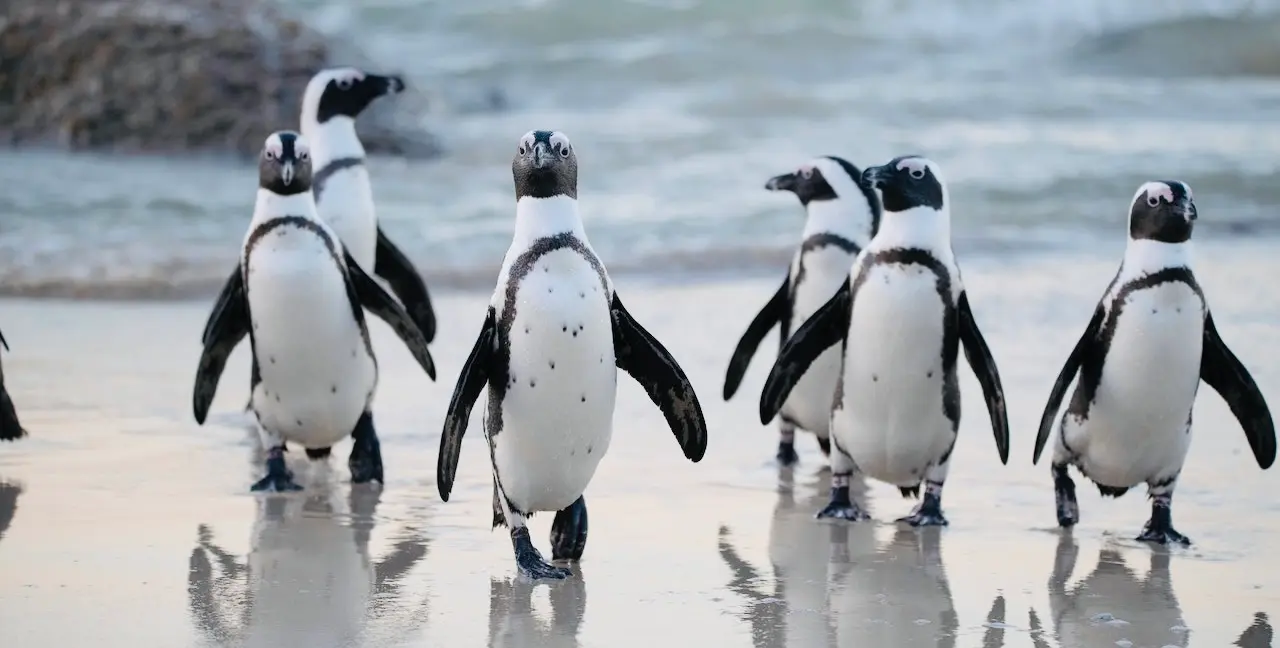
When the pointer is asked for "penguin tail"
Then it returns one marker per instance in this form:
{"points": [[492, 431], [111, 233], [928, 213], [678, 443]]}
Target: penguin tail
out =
{"points": [[910, 492]]}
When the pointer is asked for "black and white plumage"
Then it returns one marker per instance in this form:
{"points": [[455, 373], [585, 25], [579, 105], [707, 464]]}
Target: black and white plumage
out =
{"points": [[10, 428], [900, 319], [343, 194], [301, 297], [842, 216], [1141, 359], [553, 338]]}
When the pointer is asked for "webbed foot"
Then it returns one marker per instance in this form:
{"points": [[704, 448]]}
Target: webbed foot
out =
{"points": [[1064, 492], [787, 455], [530, 562], [365, 461], [841, 507], [278, 479], [1159, 529], [569, 532], [927, 513]]}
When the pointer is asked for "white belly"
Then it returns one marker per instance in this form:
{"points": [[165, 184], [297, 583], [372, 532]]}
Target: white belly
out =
{"points": [[317, 375], [1137, 428], [346, 204], [892, 421], [809, 404], [557, 415]]}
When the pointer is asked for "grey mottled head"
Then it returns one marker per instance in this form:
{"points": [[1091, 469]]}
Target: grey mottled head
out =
{"points": [[1162, 211], [545, 166], [284, 166], [908, 182], [345, 92]]}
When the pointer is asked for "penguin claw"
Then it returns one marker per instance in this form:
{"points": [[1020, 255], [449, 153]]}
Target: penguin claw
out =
{"points": [[787, 455], [569, 532], [278, 479], [530, 562], [843, 511], [1162, 535], [928, 513]]}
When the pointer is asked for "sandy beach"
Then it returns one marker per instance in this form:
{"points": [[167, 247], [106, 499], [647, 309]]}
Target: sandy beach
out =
{"points": [[123, 523]]}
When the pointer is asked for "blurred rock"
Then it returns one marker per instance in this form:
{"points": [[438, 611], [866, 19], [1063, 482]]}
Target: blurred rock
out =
{"points": [[169, 76]]}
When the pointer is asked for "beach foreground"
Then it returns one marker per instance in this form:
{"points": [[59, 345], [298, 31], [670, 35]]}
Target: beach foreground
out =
{"points": [[123, 523]]}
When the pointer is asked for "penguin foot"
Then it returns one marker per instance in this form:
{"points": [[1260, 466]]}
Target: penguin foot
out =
{"points": [[1159, 529], [787, 453], [841, 507], [278, 479], [569, 532], [927, 513], [365, 461], [530, 562], [1064, 492]]}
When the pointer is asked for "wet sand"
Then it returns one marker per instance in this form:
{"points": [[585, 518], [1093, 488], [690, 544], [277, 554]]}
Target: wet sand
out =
{"points": [[123, 523]]}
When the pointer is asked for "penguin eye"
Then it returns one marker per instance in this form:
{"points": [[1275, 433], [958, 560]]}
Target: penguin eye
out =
{"points": [[344, 84], [271, 154], [806, 173], [521, 150], [917, 173], [1153, 201], [564, 151], [303, 156]]}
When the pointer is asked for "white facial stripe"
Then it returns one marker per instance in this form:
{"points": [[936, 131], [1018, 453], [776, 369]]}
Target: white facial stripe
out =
{"points": [[274, 146], [558, 139], [527, 140], [915, 165], [348, 74], [1154, 190], [836, 177], [301, 149]]}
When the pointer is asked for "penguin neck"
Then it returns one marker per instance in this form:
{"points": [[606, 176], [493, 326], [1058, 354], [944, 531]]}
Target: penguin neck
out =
{"points": [[1144, 256], [840, 217], [921, 227], [541, 217], [272, 205], [335, 138]]}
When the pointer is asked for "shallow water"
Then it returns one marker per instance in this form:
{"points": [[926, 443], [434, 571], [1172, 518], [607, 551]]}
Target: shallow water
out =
{"points": [[122, 514], [1045, 115]]}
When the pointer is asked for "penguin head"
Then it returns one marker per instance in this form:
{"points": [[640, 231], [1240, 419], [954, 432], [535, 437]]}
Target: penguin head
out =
{"points": [[810, 182], [284, 166], [545, 165], [1162, 211], [908, 182], [344, 92]]}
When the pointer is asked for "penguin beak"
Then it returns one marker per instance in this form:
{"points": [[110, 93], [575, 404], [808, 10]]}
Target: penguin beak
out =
{"points": [[541, 155], [784, 182], [873, 177], [286, 172]]}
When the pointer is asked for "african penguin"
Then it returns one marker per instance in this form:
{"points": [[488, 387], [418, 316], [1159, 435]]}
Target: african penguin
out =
{"points": [[552, 340], [10, 428], [299, 297], [843, 214], [340, 183], [1141, 359], [900, 320]]}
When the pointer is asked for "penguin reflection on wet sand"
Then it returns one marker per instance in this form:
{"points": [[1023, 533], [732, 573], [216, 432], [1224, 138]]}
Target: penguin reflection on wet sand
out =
{"points": [[553, 339], [513, 623], [9, 493], [843, 214], [309, 579], [899, 321], [1257, 635], [10, 428], [1150, 343], [301, 298], [1112, 603]]}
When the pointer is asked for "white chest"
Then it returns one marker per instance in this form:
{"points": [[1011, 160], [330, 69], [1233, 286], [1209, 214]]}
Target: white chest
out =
{"points": [[346, 204]]}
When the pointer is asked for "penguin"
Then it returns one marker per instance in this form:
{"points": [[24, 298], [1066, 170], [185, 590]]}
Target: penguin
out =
{"points": [[10, 428], [332, 101], [310, 577], [1149, 344], [554, 336], [843, 215], [900, 320], [299, 298], [1147, 607]]}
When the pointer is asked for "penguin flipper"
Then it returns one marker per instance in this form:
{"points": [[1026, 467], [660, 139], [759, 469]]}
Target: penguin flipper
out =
{"points": [[366, 292], [474, 376], [391, 264], [1220, 368], [828, 326], [978, 354], [771, 314], [10, 427], [1086, 342], [642, 356], [228, 324], [222, 298]]}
